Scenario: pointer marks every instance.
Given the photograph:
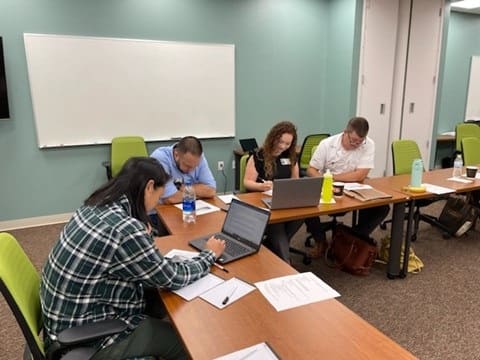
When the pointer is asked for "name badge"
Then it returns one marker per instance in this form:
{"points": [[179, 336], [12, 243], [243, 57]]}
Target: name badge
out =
{"points": [[285, 161]]}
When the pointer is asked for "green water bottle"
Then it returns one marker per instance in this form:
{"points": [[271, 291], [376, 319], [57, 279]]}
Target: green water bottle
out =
{"points": [[417, 172], [327, 187]]}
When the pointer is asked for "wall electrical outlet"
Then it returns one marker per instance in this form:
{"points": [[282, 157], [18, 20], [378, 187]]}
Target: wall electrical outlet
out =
{"points": [[220, 165]]}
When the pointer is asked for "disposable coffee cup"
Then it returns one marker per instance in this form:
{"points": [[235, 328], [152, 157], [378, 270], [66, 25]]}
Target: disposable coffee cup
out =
{"points": [[471, 171], [338, 188]]}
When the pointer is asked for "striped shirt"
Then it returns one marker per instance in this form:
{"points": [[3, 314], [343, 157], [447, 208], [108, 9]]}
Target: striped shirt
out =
{"points": [[99, 266]]}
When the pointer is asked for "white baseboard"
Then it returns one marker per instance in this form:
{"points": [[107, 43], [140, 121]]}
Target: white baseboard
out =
{"points": [[34, 221]]}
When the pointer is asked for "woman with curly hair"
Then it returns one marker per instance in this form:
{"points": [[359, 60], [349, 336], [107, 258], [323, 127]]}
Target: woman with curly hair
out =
{"points": [[276, 159]]}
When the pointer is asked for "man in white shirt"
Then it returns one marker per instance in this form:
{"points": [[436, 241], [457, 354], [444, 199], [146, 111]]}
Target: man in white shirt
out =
{"points": [[349, 156]]}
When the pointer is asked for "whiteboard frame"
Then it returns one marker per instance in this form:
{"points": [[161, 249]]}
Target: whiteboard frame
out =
{"points": [[87, 90]]}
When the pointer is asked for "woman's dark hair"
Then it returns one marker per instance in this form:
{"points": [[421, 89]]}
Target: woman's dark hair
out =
{"points": [[131, 181], [273, 136]]}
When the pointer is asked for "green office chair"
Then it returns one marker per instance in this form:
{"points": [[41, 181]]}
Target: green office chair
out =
{"points": [[403, 154], [122, 149], [306, 151], [463, 130], [243, 165], [19, 284], [471, 150]]}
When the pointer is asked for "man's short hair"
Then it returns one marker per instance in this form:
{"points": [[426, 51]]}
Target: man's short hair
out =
{"points": [[189, 144], [359, 125]]}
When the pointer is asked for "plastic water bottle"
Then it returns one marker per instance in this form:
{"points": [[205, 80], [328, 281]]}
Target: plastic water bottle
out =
{"points": [[457, 166], [327, 187], [417, 172], [188, 204]]}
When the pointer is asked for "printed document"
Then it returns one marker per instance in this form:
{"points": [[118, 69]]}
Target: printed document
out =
{"points": [[295, 290], [201, 207], [256, 352]]}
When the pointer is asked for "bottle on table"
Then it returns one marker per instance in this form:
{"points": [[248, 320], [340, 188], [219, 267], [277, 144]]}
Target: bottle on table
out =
{"points": [[188, 204], [417, 172], [457, 166], [327, 187]]}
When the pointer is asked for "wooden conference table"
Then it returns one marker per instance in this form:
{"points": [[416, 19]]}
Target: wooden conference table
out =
{"points": [[325, 329], [436, 177]]}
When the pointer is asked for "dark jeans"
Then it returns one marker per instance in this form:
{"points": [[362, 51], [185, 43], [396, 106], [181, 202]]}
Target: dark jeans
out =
{"points": [[154, 337], [279, 236], [368, 220]]}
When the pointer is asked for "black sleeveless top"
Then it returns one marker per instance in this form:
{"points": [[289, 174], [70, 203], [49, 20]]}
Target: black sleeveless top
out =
{"points": [[283, 166]]}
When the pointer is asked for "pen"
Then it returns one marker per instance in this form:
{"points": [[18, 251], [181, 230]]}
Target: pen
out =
{"points": [[220, 267], [227, 298]]}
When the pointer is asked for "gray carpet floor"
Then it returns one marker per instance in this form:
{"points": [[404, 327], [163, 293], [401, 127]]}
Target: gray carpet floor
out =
{"points": [[433, 314]]}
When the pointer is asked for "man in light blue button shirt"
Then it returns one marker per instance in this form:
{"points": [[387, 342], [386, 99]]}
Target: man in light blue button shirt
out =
{"points": [[185, 162]]}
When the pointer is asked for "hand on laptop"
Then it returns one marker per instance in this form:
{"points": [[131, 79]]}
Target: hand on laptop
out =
{"points": [[216, 245]]}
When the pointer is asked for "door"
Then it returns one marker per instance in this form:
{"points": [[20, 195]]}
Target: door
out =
{"points": [[422, 74], [377, 58]]}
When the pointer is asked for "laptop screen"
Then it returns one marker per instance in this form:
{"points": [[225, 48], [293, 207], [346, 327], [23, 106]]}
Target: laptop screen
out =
{"points": [[248, 144], [246, 221]]}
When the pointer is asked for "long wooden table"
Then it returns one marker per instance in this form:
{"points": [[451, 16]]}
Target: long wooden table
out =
{"points": [[325, 329], [399, 183]]}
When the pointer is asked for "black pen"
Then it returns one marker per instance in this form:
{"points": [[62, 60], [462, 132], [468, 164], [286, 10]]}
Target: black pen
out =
{"points": [[227, 298], [220, 267]]}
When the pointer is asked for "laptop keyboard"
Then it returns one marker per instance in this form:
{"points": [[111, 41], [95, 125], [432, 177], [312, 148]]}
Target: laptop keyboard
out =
{"points": [[231, 247]]}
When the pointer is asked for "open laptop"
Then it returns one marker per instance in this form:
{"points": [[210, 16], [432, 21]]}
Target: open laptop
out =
{"points": [[294, 193], [242, 231], [248, 145]]}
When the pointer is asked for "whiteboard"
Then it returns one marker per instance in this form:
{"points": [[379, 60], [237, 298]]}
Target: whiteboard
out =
{"points": [[472, 111], [87, 90]]}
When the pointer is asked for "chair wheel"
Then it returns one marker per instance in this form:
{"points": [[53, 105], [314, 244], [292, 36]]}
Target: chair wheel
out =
{"points": [[446, 236], [310, 242], [383, 226], [307, 260]]}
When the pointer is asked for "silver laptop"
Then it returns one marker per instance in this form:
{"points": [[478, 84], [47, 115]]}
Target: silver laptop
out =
{"points": [[242, 231], [294, 193]]}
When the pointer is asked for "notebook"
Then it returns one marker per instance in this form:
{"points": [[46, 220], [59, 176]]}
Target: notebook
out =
{"points": [[248, 145], [294, 193], [242, 231]]}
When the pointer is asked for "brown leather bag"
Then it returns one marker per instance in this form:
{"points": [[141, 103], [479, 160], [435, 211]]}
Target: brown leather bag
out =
{"points": [[350, 251]]}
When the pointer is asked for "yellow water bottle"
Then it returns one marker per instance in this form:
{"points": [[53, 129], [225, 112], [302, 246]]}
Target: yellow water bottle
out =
{"points": [[327, 187]]}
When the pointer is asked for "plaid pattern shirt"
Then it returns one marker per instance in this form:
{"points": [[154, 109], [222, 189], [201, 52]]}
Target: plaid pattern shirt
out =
{"points": [[99, 266]]}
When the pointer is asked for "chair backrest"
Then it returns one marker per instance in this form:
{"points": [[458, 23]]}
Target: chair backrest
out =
{"points": [[306, 150], [465, 130], [20, 284], [243, 165], [403, 154], [125, 147], [471, 150]]}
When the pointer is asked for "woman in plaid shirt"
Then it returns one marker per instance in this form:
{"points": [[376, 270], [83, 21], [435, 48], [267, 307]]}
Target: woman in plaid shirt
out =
{"points": [[104, 260]]}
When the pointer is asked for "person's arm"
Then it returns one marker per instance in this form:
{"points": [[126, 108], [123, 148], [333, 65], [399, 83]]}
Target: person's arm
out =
{"points": [[205, 185], [313, 172], [250, 178], [137, 259], [357, 175]]}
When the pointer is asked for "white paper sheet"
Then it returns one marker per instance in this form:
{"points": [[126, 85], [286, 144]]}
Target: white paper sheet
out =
{"points": [[268, 192], [197, 288], [256, 352], [201, 207], [227, 199], [181, 255], [460, 180], [439, 190], [295, 290], [356, 186], [233, 288]]}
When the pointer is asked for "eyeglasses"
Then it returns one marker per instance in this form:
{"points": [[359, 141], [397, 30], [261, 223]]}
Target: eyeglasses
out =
{"points": [[356, 142]]}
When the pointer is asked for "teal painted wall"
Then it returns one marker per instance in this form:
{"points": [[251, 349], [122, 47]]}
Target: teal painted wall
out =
{"points": [[462, 42], [282, 72]]}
